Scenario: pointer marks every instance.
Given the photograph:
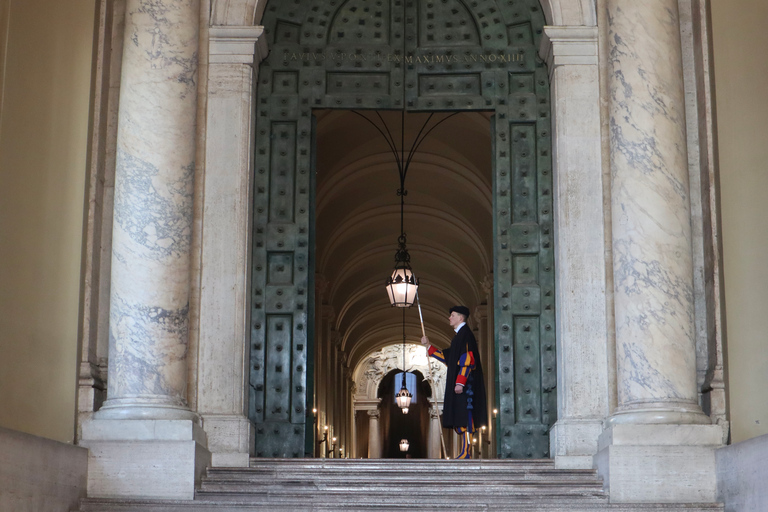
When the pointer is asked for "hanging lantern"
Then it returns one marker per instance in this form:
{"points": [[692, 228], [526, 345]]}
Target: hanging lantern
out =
{"points": [[404, 445], [403, 398], [402, 284]]}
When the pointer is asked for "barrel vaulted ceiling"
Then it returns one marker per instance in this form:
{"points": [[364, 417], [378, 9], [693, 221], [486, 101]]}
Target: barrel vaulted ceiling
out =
{"points": [[448, 222]]}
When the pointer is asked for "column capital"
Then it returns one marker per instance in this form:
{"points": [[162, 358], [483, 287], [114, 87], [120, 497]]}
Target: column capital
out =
{"points": [[568, 46], [237, 45], [373, 413]]}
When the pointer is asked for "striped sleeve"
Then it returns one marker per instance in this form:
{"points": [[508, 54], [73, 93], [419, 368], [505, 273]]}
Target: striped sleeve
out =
{"points": [[437, 354], [467, 364]]}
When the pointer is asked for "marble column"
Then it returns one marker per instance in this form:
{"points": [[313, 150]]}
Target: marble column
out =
{"points": [[149, 305], [145, 438], [374, 435], [571, 54], [433, 440], [658, 432], [223, 330], [651, 216]]}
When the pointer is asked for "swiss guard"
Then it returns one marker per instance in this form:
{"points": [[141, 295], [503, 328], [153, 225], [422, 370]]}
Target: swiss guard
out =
{"points": [[464, 406]]}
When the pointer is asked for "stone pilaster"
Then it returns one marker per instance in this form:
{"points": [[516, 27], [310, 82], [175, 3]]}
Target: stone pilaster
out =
{"points": [[582, 371], [145, 433], [658, 432], [224, 302]]}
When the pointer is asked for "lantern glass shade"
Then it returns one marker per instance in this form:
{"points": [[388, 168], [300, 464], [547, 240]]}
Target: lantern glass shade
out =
{"points": [[402, 286], [404, 445], [403, 399]]}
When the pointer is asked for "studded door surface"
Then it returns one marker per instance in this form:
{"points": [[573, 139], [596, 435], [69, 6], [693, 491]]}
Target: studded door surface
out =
{"points": [[423, 55]]}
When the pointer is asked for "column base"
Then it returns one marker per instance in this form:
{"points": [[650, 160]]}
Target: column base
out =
{"points": [[145, 409], [672, 414], [573, 442], [157, 459], [231, 440], [659, 463]]}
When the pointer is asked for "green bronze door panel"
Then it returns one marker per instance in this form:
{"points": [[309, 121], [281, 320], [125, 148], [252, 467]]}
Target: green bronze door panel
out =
{"points": [[524, 270], [321, 56], [419, 55], [282, 271]]}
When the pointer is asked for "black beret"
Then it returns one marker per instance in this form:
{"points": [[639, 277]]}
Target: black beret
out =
{"points": [[462, 310]]}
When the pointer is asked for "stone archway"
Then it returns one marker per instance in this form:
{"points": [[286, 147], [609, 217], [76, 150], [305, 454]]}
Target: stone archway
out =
{"points": [[220, 302], [250, 12], [571, 55], [368, 375]]}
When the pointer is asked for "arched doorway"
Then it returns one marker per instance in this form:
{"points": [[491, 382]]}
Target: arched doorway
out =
{"points": [[414, 426], [373, 412], [418, 56]]}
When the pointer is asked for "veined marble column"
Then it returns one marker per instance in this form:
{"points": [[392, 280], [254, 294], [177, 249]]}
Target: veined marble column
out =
{"points": [[374, 435], [149, 308], [145, 441], [652, 258], [658, 418]]}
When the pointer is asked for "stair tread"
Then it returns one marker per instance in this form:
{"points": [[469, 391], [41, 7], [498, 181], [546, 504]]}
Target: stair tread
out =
{"points": [[107, 505], [352, 484]]}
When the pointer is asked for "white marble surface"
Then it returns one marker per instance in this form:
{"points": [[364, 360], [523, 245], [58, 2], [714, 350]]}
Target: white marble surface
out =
{"points": [[742, 474], [40, 475], [153, 210], [161, 459], [231, 439], [652, 260], [141, 430], [659, 463]]}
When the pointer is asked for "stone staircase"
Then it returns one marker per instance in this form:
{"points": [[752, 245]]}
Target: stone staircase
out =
{"points": [[349, 484]]}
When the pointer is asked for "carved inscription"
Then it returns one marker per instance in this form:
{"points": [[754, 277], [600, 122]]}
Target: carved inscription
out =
{"points": [[448, 58]]}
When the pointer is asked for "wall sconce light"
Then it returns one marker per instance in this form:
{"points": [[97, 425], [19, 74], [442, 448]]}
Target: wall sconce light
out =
{"points": [[325, 435]]}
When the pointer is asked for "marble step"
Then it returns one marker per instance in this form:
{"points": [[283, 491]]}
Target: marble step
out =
{"points": [[405, 473], [496, 470], [491, 478], [393, 485], [384, 489], [392, 504]]}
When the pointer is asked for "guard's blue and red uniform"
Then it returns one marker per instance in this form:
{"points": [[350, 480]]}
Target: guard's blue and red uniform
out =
{"points": [[464, 412]]}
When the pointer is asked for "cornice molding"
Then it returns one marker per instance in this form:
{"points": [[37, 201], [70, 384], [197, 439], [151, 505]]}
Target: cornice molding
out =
{"points": [[237, 45], [568, 46]]}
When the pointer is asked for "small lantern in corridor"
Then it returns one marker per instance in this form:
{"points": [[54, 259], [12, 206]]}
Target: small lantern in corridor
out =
{"points": [[404, 445], [402, 284], [403, 398]]}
